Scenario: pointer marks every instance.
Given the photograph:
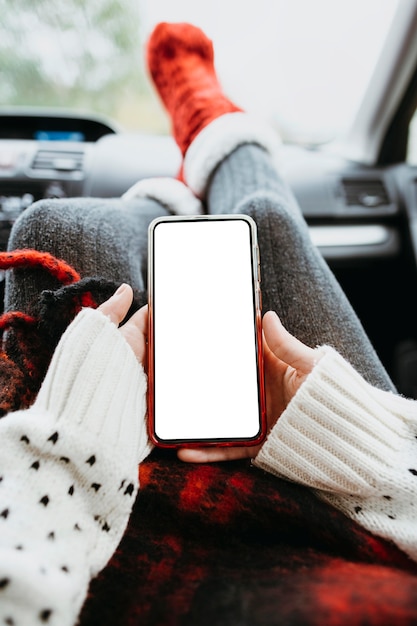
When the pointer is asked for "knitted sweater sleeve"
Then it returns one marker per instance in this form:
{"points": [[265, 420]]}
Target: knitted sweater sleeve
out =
{"points": [[355, 445], [68, 474]]}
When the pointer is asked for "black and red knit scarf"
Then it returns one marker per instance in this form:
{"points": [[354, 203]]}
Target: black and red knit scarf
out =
{"points": [[33, 335]]}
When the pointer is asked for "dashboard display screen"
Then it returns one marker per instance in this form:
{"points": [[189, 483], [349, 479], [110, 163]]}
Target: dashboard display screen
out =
{"points": [[58, 135]]}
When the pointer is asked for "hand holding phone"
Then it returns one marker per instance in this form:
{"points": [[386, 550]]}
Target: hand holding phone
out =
{"points": [[205, 348], [287, 363]]}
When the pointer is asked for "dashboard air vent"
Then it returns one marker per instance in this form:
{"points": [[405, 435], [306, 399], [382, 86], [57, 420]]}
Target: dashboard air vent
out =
{"points": [[368, 193], [62, 161]]}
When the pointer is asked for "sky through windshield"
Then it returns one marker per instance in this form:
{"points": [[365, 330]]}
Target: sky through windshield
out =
{"points": [[302, 64]]}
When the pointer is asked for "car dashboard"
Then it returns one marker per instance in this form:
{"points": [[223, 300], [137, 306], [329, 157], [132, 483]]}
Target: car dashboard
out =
{"points": [[363, 219]]}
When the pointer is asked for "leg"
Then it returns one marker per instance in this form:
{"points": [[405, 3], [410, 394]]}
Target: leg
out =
{"points": [[105, 238], [98, 238], [296, 281], [226, 162]]}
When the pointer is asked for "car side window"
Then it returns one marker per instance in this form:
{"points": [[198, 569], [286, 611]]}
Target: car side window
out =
{"points": [[412, 141]]}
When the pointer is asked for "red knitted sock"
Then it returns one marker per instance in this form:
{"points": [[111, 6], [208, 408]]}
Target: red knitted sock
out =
{"points": [[180, 60]]}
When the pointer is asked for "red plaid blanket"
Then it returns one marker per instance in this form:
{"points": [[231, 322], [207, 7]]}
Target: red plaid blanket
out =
{"points": [[228, 545]]}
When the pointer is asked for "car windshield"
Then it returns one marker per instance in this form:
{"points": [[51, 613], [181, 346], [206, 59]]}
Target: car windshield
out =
{"points": [[303, 65]]}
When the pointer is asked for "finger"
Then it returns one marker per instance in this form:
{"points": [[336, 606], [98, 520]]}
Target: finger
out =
{"points": [[213, 455], [270, 359], [135, 332], [285, 346], [118, 305], [140, 321]]}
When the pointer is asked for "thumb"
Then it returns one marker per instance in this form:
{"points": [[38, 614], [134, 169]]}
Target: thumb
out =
{"points": [[116, 307], [285, 346]]}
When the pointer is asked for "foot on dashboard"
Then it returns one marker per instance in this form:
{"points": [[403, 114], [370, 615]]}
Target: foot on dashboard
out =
{"points": [[181, 62]]}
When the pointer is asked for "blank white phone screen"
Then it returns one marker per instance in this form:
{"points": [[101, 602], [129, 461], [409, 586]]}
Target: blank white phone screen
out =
{"points": [[205, 354]]}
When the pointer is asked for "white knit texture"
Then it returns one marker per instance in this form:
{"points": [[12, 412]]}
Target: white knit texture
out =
{"points": [[69, 474], [95, 376], [170, 192], [355, 445], [219, 139]]}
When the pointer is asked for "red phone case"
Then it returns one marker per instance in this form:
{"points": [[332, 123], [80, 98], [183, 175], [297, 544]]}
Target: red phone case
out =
{"points": [[176, 443]]}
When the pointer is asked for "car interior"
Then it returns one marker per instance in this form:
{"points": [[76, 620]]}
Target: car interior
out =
{"points": [[358, 194]]}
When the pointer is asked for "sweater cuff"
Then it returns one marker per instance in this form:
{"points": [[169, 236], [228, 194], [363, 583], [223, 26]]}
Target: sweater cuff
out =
{"points": [[219, 139], [95, 380], [338, 434]]}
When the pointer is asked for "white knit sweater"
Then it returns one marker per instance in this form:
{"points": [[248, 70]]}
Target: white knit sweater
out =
{"points": [[69, 474], [355, 445]]}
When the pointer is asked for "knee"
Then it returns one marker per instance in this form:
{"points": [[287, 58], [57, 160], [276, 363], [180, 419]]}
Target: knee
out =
{"points": [[268, 210], [34, 224]]}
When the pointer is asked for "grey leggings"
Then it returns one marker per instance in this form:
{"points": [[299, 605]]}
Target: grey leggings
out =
{"points": [[109, 238]]}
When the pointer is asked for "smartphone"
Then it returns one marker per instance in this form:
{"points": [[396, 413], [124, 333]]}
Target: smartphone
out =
{"points": [[205, 375]]}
